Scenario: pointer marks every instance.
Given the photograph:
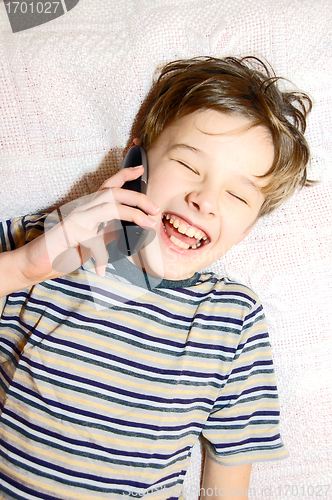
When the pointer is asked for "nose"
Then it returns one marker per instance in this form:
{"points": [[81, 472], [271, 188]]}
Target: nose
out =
{"points": [[204, 201]]}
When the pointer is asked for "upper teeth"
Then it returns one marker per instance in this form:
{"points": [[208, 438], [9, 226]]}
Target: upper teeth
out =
{"points": [[190, 231]]}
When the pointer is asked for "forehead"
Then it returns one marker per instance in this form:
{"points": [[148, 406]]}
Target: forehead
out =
{"points": [[216, 123]]}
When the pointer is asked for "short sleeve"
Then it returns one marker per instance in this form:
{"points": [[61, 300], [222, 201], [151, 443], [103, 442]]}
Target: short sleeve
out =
{"points": [[243, 426], [16, 232]]}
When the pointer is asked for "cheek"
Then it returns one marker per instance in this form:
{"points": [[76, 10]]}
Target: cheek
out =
{"points": [[161, 188], [157, 191], [233, 230], [154, 182]]}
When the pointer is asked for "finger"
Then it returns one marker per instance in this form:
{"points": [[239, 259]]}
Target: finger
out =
{"points": [[109, 211], [119, 196], [106, 230], [96, 247], [132, 199], [121, 177]]}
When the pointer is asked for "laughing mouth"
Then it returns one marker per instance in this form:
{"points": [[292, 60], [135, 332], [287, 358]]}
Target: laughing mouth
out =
{"points": [[182, 234]]}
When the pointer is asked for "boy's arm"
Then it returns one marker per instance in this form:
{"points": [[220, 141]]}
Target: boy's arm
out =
{"points": [[12, 278], [28, 265], [73, 241], [225, 481]]}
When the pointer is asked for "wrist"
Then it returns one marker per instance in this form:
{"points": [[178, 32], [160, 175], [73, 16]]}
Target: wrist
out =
{"points": [[12, 278]]}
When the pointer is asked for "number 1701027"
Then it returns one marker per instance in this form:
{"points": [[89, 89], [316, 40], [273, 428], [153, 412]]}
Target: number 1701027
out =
{"points": [[32, 7]]}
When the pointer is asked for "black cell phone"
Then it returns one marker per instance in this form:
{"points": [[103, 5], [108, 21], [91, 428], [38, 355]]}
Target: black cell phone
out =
{"points": [[130, 237]]}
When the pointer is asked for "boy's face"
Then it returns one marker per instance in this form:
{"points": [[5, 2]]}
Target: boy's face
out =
{"points": [[202, 172]]}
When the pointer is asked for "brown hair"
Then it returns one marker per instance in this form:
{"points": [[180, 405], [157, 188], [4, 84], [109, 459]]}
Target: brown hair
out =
{"points": [[245, 87]]}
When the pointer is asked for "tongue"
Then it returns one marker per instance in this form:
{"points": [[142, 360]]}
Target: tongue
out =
{"points": [[170, 230]]}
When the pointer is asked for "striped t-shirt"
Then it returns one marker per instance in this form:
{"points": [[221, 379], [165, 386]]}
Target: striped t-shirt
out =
{"points": [[107, 383]]}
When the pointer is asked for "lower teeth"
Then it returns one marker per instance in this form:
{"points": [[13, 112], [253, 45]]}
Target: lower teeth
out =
{"points": [[196, 246]]}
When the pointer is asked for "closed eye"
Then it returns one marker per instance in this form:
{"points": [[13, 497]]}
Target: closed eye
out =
{"points": [[238, 197], [188, 166]]}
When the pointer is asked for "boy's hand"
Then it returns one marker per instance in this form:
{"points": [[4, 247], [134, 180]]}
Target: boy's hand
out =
{"points": [[73, 241]]}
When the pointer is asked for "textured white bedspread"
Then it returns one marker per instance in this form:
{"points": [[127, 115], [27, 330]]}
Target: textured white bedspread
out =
{"points": [[69, 91]]}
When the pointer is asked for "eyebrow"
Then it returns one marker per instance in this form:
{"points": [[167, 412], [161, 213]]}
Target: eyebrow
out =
{"points": [[248, 182], [185, 146]]}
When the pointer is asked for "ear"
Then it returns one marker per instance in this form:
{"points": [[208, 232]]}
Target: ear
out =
{"points": [[134, 143]]}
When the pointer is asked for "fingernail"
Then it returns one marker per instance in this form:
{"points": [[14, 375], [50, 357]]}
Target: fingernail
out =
{"points": [[155, 207], [137, 166], [101, 271]]}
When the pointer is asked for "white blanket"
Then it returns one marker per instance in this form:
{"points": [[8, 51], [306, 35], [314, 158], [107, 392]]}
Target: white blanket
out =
{"points": [[69, 91]]}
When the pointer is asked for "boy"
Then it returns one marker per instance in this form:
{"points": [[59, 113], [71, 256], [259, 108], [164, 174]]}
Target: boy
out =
{"points": [[107, 382]]}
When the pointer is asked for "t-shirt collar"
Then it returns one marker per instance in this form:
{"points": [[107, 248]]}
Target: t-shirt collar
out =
{"points": [[133, 274]]}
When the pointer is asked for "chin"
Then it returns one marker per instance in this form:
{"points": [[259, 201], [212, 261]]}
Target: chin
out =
{"points": [[171, 263], [170, 267]]}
